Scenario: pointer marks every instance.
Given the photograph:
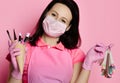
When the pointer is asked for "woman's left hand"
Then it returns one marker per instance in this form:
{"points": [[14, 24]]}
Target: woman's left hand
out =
{"points": [[95, 54]]}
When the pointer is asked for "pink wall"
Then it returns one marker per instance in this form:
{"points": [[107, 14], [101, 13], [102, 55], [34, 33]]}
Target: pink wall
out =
{"points": [[99, 23]]}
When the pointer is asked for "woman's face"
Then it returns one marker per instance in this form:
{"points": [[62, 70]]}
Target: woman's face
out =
{"points": [[61, 13]]}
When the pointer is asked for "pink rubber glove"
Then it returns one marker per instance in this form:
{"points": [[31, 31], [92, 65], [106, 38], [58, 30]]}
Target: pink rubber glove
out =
{"points": [[14, 52], [95, 54]]}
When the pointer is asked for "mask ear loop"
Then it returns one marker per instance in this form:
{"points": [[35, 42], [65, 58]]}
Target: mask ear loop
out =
{"points": [[68, 28], [9, 35]]}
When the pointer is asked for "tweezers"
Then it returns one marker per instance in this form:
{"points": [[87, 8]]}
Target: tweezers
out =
{"points": [[107, 65], [9, 35]]}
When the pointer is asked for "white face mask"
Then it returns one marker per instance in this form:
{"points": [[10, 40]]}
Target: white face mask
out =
{"points": [[52, 27]]}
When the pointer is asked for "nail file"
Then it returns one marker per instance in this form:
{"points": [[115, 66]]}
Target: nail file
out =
{"points": [[15, 38], [107, 65], [104, 61]]}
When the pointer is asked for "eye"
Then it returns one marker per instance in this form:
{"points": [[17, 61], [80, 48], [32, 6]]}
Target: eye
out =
{"points": [[53, 14], [64, 21]]}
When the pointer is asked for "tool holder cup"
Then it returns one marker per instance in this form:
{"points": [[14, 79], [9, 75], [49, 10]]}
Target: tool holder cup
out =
{"points": [[20, 58]]}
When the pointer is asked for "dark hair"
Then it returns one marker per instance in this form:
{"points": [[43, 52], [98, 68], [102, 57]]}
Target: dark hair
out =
{"points": [[71, 38]]}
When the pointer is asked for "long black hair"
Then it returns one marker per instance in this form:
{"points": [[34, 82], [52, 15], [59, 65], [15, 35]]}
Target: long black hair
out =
{"points": [[71, 38]]}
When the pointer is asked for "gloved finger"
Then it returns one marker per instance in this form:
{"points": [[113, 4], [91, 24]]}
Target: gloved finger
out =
{"points": [[9, 43], [99, 49], [14, 62], [100, 61], [14, 51], [12, 46], [110, 46], [100, 45], [101, 55], [16, 54]]}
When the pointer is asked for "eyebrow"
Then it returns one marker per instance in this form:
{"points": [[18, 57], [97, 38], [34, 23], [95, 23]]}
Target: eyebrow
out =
{"points": [[54, 11]]}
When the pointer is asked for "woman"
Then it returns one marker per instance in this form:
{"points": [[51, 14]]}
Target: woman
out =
{"points": [[54, 49]]}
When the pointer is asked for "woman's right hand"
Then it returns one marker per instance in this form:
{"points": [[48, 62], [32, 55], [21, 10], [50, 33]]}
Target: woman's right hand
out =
{"points": [[14, 52]]}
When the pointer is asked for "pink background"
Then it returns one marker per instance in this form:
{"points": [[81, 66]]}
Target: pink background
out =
{"points": [[99, 23]]}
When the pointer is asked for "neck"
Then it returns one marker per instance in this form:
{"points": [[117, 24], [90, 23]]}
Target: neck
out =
{"points": [[50, 40]]}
